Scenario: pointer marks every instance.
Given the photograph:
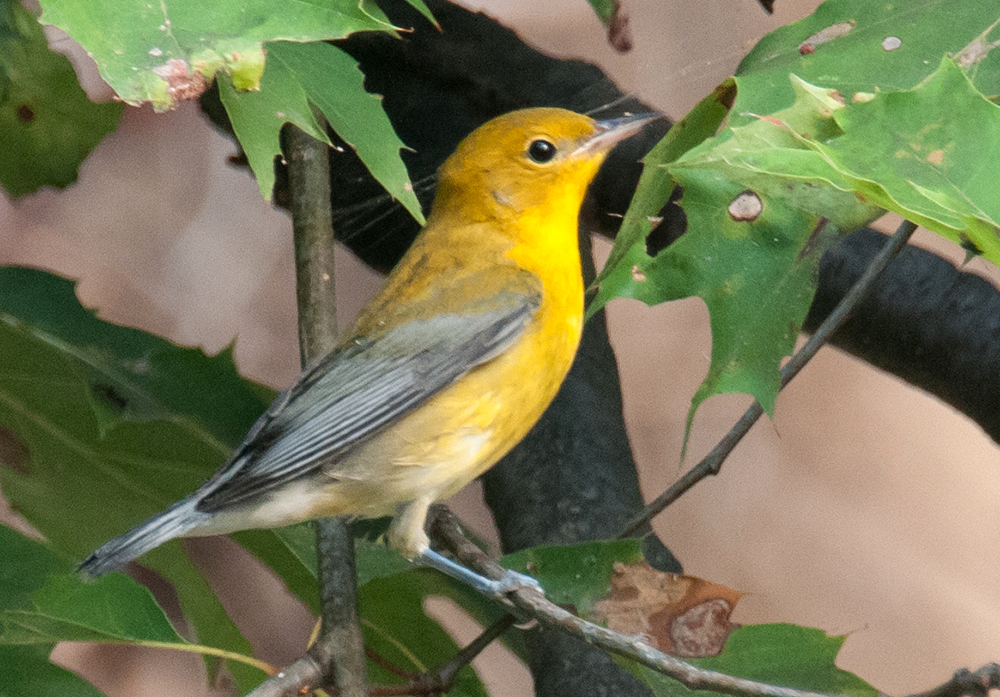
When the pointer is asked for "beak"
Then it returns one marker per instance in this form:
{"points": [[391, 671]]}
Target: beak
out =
{"points": [[612, 131]]}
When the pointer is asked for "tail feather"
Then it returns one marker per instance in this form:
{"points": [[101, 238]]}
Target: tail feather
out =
{"points": [[114, 554]]}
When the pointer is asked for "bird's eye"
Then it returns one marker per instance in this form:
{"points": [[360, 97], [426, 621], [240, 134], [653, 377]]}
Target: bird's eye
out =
{"points": [[541, 151]]}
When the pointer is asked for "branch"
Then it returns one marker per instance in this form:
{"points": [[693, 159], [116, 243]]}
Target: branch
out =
{"points": [[445, 528], [441, 680], [306, 674], [338, 655], [712, 463]]}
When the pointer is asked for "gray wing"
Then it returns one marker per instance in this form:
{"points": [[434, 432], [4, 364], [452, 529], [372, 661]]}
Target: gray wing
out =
{"points": [[351, 394]]}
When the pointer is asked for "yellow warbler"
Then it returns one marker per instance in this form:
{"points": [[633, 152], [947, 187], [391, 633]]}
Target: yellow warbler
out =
{"points": [[444, 371]]}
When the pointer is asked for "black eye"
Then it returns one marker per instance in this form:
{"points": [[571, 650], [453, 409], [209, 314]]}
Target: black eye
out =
{"points": [[541, 150]]}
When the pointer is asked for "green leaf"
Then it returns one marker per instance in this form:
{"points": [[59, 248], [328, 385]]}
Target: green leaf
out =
{"points": [[164, 51], [132, 376], [43, 602], [298, 75], [850, 56], [578, 575], [422, 8], [603, 9], [777, 654], [138, 424], [397, 629], [931, 154], [112, 609], [38, 601], [257, 118], [26, 670], [656, 184], [47, 124], [332, 81], [757, 276]]}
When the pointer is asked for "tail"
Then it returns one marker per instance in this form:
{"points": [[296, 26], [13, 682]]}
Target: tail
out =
{"points": [[114, 554]]}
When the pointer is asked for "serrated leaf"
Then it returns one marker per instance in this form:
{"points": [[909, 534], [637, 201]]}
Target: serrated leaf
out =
{"points": [[778, 654], [47, 124], [757, 277], [931, 154], [169, 50], [858, 58], [257, 118], [656, 184], [757, 274], [333, 82]]}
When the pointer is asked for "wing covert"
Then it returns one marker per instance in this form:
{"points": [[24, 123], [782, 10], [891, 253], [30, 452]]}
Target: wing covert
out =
{"points": [[352, 393]]}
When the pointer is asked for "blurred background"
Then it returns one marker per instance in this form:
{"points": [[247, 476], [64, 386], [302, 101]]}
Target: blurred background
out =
{"points": [[866, 508]]}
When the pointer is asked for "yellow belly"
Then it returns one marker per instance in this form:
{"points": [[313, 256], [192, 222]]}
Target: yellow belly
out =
{"points": [[458, 434]]}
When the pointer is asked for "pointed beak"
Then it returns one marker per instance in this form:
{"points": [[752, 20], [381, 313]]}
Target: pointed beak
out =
{"points": [[611, 132]]}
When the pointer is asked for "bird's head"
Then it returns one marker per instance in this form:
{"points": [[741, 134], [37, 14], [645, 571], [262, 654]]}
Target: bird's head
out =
{"points": [[528, 163]]}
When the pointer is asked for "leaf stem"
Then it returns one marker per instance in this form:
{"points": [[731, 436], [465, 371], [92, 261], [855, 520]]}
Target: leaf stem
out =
{"points": [[263, 666]]}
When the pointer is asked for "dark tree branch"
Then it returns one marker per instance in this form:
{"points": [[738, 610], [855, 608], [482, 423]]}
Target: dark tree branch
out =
{"points": [[927, 322], [711, 464], [965, 683]]}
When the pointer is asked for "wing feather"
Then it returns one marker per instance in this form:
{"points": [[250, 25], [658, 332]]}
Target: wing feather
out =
{"points": [[353, 393]]}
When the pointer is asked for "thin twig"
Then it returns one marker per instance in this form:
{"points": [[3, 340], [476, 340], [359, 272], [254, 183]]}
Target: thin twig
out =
{"points": [[712, 463], [441, 680], [445, 528], [337, 657]]}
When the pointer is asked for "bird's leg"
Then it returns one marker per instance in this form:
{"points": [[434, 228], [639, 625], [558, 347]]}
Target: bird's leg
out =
{"points": [[406, 533], [510, 581]]}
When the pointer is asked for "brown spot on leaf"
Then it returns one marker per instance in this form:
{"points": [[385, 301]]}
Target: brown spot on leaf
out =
{"points": [[681, 615], [25, 114], [810, 244], [637, 274], [746, 207], [619, 32], [14, 452], [936, 157], [823, 35], [181, 82], [702, 630]]}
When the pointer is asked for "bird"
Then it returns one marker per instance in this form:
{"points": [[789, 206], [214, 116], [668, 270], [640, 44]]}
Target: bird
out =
{"points": [[443, 372]]}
